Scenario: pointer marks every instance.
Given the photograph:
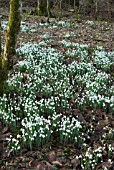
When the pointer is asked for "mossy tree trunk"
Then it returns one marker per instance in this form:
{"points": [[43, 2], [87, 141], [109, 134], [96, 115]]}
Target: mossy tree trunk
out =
{"points": [[13, 27], [43, 8], [0, 38], [12, 32]]}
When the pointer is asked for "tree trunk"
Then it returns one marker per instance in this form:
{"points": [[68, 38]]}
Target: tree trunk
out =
{"points": [[13, 27], [43, 8], [12, 32], [0, 38]]}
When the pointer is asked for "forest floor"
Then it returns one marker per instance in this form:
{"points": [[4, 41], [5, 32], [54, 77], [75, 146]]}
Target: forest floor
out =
{"points": [[59, 155]]}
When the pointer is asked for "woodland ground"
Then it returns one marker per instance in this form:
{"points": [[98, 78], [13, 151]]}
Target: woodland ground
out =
{"points": [[101, 33]]}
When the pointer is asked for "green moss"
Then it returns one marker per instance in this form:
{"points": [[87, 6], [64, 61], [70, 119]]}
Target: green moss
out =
{"points": [[3, 75], [12, 31], [6, 59]]}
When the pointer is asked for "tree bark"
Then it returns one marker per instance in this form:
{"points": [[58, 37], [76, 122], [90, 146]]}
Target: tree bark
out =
{"points": [[12, 32], [13, 27], [43, 8], [0, 38]]}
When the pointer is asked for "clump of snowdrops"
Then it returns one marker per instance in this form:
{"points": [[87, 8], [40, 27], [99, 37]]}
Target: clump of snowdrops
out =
{"points": [[40, 89]]}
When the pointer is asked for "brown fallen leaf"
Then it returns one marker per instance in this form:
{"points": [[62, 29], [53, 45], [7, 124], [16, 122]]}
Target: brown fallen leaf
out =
{"points": [[24, 159], [112, 122], [57, 163], [75, 111], [102, 165], [5, 130], [44, 165], [81, 119], [103, 122], [51, 156], [75, 162], [34, 163]]}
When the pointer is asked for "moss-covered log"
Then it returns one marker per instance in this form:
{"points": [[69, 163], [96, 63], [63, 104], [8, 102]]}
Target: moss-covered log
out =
{"points": [[13, 27], [43, 8]]}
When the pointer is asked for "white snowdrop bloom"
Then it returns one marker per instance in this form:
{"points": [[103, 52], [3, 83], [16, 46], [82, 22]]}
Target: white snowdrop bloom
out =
{"points": [[14, 140], [112, 99], [35, 134], [78, 124], [23, 123], [13, 148], [26, 134], [51, 131], [68, 130], [110, 147], [41, 130], [32, 138], [99, 155], [46, 126], [80, 156], [41, 135], [77, 157], [110, 161], [41, 122], [24, 139], [23, 131], [18, 147], [8, 139], [99, 149], [48, 122], [76, 139], [64, 134], [105, 168], [18, 136]]}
